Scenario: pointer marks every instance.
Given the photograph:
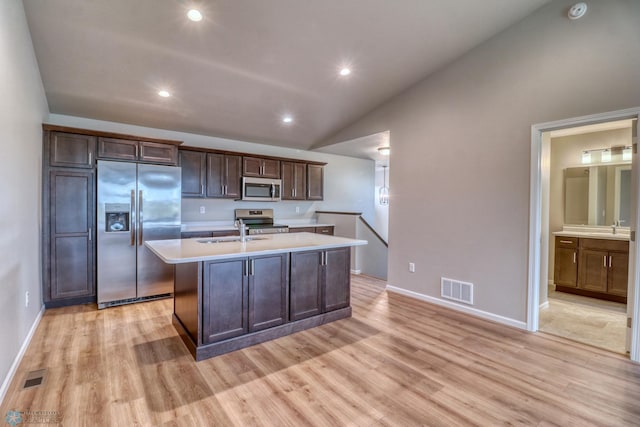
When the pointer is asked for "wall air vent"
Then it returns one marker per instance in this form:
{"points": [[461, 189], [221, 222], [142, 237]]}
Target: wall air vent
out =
{"points": [[456, 290]]}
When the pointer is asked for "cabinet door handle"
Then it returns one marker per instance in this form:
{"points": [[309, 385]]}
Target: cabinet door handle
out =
{"points": [[90, 157], [609, 261], [245, 268], [605, 261], [574, 257], [202, 189], [225, 190], [89, 233], [252, 267], [566, 241]]}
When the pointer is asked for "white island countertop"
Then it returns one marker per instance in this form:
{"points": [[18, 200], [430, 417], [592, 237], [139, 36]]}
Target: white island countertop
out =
{"points": [[178, 251]]}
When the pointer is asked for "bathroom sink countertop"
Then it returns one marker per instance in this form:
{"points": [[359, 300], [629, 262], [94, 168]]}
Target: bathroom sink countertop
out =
{"points": [[593, 234], [177, 251]]}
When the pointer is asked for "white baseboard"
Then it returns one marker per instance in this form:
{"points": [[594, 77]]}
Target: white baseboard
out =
{"points": [[356, 271], [16, 362], [459, 307], [544, 305]]}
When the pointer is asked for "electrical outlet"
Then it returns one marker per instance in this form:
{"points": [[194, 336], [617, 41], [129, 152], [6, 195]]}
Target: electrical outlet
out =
{"points": [[412, 267], [297, 209], [26, 299], [202, 209]]}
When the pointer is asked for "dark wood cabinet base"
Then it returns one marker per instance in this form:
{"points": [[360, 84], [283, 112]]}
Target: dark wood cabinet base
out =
{"points": [[585, 293], [215, 349]]}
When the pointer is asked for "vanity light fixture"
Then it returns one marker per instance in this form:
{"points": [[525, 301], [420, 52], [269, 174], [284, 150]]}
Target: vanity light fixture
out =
{"points": [[606, 155], [626, 153], [383, 194], [384, 151], [195, 15], [586, 157]]}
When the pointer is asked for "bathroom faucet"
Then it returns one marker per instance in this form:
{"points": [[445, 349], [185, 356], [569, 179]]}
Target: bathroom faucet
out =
{"points": [[243, 232], [615, 225]]}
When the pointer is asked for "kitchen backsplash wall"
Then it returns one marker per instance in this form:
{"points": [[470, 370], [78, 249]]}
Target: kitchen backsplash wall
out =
{"points": [[222, 210], [348, 182]]}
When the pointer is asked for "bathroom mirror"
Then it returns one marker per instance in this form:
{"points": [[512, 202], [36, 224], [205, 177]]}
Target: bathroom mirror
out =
{"points": [[597, 195]]}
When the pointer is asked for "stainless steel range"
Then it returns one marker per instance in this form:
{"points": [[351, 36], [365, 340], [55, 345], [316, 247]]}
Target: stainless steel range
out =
{"points": [[260, 221]]}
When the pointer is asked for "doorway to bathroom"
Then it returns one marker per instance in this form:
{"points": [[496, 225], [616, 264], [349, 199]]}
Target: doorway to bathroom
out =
{"points": [[582, 275]]}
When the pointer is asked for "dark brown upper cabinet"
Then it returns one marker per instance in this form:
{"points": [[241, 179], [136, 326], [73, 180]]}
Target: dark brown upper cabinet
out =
{"points": [[294, 181], [137, 151], [259, 167], [71, 150], [194, 172], [223, 176], [315, 182]]}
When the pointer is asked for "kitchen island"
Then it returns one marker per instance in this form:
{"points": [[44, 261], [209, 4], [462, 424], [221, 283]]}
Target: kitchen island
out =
{"points": [[230, 294]]}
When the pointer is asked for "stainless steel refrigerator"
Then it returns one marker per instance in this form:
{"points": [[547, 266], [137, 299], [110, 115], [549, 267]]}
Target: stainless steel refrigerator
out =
{"points": [[136, 202]]}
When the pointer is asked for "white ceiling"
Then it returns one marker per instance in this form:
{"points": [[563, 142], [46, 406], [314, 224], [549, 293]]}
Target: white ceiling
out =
{"points": [[249, 62]]}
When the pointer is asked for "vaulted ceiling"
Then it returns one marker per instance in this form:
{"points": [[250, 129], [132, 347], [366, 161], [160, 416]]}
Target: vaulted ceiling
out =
{"points": [[249, 63]]}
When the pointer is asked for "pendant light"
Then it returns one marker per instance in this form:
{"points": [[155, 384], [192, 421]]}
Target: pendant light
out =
{"points": [[383, 194]]}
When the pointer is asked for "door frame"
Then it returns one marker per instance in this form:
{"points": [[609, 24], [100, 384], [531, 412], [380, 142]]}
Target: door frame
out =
{"points": [[535, 219]]}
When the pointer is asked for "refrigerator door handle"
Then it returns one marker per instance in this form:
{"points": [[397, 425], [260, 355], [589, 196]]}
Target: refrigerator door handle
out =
{"points": [[132, 224], [140, 218]]}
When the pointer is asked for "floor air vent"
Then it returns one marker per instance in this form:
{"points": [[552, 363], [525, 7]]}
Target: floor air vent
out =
{"points": [[34, 378], [456, 290]]}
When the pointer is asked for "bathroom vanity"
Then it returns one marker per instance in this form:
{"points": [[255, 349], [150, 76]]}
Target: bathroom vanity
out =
{"points": [[592, 264]]}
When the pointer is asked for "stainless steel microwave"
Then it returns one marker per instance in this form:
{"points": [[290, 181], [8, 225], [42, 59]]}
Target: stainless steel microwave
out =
{"points": [[261, 189]]}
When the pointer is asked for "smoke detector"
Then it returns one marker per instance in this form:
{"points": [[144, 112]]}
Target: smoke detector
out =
{"points": [[577, 11]]}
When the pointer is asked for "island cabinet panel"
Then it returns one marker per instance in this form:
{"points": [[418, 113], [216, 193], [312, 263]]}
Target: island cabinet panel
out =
{"points": [[225, 300], [337, 279], [305, 284], [194, 172], [71, 150], [71, 227], [268, 278]]}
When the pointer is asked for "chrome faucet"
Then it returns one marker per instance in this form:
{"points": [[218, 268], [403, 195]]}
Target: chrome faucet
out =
{"points": [[243, 231], [615, 226]]}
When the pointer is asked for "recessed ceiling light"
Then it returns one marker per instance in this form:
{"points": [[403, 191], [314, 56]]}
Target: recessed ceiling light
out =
{"points": [[195, 15], [287, 119], [345, 72], [164, 93]]}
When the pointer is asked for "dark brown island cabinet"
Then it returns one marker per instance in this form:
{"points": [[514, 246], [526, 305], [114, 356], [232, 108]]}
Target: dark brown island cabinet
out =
{"points": [[596, 268], [324, 229], [69, 206], [225, 305]]}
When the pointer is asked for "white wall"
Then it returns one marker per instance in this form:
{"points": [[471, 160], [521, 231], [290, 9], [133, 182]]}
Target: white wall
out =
{"points": [[23, 108], [348, 182], [462, 137]]}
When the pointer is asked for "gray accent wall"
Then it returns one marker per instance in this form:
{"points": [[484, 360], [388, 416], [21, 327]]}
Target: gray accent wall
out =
{"points": [[23, 108], [461, 143]]}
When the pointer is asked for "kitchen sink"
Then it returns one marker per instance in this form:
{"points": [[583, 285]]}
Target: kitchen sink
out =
{"points": [[229, 239]]}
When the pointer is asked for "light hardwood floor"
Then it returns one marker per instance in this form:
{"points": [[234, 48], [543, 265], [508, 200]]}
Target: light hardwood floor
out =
{"points": [[397, 361]]}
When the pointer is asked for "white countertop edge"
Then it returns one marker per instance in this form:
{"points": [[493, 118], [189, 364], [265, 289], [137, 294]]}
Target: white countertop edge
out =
{"points": [[592, 235], [238, 251]]}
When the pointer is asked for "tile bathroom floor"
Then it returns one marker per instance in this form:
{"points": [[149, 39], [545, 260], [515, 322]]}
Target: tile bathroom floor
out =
{"points": [[587, 320]]}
